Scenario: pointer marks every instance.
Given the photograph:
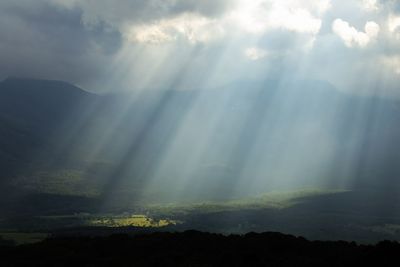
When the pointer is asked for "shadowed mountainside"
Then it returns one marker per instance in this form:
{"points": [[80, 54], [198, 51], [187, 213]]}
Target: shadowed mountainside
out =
{"points": [[84, 150]]}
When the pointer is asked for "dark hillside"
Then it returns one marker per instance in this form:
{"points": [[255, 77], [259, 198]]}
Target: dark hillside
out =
{"points": [[194, 248]]}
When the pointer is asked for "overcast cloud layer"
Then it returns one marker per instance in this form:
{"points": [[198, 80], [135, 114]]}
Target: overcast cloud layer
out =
{"points": [[133, 44]]}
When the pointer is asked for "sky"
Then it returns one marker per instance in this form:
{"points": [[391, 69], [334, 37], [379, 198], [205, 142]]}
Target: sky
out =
{"points": [[134, 45]]}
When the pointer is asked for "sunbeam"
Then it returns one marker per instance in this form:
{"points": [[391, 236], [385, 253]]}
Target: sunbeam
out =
{"points": [[226, 116]]}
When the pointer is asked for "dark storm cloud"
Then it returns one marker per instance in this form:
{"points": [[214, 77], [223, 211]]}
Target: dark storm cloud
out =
{"points": [[122, 11], [44, 40], [76, 40], [206, 7]]}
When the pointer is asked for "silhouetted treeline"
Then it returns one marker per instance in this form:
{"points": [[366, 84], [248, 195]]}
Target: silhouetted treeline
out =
{"points": [[193, 248]]}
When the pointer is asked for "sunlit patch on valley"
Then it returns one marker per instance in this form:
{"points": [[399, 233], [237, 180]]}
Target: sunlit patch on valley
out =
{"points": [[132, 220]]}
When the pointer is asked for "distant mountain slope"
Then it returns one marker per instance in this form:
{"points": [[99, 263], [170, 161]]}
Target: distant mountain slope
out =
{"points": [[38, 103], [30, 112], [242, 139]]}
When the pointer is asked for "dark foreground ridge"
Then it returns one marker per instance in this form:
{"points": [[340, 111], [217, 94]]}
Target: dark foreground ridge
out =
{"points": [[193, 248]]}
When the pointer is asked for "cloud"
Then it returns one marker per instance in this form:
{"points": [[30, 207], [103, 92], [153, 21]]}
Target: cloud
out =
{"points": [[124, 13], [394, 25], [45, 41], [254, 53], [393, 63], [298, 20], [193, 27], [351, 36], [129, 44], [370, 5], [256, 17], [260, 16]]}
